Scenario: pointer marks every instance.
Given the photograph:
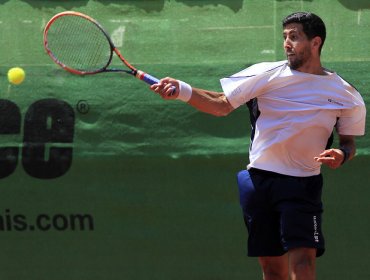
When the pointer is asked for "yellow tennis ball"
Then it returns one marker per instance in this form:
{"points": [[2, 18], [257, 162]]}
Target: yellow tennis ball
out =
{"points": [[16, 75]]}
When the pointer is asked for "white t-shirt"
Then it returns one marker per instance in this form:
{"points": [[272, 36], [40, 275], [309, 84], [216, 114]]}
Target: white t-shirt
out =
{"points": [[298, 112]]}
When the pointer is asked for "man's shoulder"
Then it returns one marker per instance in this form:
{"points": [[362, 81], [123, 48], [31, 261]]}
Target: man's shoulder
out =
{"points": [[260, 68]]}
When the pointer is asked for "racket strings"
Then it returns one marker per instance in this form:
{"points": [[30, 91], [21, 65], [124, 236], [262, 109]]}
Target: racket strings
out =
{"points": [[79, 43]]}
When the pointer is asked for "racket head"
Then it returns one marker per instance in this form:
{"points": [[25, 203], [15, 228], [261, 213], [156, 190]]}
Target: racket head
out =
{"points": [[78, 43]]}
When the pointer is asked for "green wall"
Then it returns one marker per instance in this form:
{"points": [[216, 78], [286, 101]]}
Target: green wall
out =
{"points": [[149, 189]]}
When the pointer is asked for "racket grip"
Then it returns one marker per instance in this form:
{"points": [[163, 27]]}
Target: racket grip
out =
{"points": [[146, 77], [149, 79]]}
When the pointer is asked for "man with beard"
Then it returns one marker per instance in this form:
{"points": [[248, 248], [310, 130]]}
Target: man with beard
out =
{"points": [[294, 107]]}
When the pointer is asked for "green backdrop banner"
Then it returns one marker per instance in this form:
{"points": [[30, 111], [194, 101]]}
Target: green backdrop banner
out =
{"points": [[102, 179]]}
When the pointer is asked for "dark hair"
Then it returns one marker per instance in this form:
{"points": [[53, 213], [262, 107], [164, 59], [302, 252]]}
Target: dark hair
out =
{"points": [[312, 25]]}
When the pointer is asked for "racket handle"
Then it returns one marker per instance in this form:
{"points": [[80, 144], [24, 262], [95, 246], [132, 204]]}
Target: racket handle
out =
{"points": [[146, 77], [149, 79]]}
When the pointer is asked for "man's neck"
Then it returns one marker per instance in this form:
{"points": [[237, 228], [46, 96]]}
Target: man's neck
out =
{"points": [[313, 68]]}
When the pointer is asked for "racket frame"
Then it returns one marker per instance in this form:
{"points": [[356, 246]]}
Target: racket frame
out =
{"points": [[133, 71]]}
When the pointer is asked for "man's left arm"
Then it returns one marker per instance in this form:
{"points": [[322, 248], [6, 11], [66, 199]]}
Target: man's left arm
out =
{"points": [[334, 158]]}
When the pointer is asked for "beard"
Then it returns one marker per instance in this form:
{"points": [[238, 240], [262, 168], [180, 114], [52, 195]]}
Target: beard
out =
{"points": [[296, 63], [299, 59]]}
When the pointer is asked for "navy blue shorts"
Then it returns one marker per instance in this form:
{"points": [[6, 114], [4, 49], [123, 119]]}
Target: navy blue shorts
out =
{"points": [[281, 212]]}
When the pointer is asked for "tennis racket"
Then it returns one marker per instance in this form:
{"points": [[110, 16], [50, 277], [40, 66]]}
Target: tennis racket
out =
{"points": [[80, 45]]}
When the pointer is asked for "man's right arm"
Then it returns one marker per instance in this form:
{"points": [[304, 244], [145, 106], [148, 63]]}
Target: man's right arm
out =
{"points": [[210, 102]]}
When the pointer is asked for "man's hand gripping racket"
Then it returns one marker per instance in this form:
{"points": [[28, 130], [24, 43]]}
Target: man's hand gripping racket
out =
{"points": [[80, 45]]}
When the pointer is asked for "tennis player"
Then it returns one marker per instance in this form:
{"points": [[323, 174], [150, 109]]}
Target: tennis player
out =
{"points": [[295, 105]]}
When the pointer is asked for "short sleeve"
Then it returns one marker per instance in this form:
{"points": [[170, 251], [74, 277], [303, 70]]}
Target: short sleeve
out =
{"points": [[248, 83], [352, 121]]}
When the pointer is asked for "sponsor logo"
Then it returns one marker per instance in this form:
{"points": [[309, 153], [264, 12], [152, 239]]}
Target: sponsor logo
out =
{"points": [[335, 102], [236, 91], [46, 130]]}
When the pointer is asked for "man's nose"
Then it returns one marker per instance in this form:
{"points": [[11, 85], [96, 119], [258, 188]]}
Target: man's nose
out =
{"points": [[287, 44]]}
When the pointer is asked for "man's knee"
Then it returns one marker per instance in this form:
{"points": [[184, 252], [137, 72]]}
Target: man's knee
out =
{"points": [[302, 263], [274, 268]]}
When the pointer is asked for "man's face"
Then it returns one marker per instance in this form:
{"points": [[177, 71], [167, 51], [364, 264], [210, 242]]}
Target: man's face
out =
{"points": [[297, 46]]}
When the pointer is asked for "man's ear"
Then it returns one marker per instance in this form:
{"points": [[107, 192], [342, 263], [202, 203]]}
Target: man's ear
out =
{"points": [[316, 42]]}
